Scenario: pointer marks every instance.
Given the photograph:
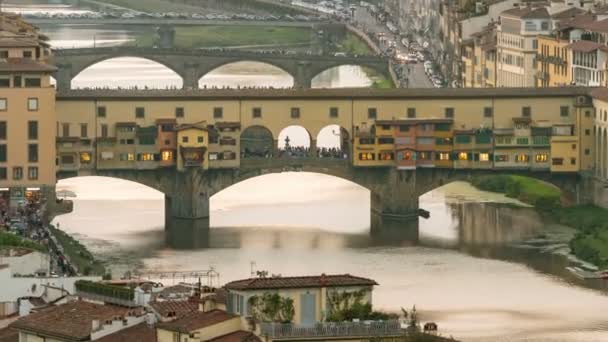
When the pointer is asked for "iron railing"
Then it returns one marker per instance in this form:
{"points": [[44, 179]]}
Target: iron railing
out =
{"points": [[326, 329]]}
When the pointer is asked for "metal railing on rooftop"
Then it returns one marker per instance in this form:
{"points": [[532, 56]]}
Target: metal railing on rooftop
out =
{"points": [[327, 329]]}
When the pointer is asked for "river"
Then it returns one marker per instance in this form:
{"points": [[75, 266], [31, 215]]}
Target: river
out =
{"points": [[481, 267]]}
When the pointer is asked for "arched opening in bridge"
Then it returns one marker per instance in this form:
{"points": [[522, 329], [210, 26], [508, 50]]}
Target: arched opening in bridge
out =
{"points": [[345, 76], [247, 74], [295, 142], [333, 141], [288, 200], [257, 142], [112, 215], [127, 72]]}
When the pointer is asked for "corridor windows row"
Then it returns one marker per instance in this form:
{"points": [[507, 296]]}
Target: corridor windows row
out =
{"points": [[17, 173], [560, 161], [32, 104], [222, 155]]}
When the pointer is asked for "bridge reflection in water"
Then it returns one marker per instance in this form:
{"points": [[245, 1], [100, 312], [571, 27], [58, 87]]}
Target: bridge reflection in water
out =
{"points": [[183, 234]]}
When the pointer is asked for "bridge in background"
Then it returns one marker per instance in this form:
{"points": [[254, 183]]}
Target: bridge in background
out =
{"points": [[171, 22], [192, 64]]}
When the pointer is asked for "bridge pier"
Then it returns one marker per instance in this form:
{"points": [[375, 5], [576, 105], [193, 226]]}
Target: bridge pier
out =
{"points": [[190, 76], [189, 197], [63, 76], [303, 79]]}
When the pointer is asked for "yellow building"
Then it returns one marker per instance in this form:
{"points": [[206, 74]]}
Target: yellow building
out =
{"points": [[27, 113], [552, 65], [192, 146]]}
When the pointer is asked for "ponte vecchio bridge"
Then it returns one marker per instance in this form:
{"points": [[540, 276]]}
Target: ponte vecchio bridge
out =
{"points": [[399, 144], [192, 64]]}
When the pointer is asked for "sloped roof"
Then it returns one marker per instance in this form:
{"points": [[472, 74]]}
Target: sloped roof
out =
{"points": [[24, 65], [299, 282], [180, 308], [237, 336], [197, 320], [141, 332], [586, 46], [527, 13], [69, 321], [567, 14]]}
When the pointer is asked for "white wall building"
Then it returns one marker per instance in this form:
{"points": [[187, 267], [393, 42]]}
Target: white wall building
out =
{"points": [[25, 261]]}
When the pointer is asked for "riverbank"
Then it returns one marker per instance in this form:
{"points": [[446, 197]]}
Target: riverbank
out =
{"points": [[77, 254], [591, 222], [223, 36]]}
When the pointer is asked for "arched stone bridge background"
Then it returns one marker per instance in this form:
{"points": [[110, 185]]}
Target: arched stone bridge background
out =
{"points": [[192, 64]]}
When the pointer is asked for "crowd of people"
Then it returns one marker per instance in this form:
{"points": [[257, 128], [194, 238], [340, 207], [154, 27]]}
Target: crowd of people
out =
{"points": [[295, 152]]}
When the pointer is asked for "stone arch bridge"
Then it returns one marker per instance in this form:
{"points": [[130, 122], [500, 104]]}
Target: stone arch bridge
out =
{"points": [[394, 193], [192, 64]]}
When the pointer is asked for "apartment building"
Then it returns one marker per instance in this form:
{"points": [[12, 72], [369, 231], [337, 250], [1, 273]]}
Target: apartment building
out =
{"points": [[517, 44], [27, 112]]}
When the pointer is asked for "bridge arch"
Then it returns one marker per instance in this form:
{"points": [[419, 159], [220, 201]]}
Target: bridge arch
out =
{"points": [[318, 70], [132, 65], [205, 73], [257, 142], [333, 141]]}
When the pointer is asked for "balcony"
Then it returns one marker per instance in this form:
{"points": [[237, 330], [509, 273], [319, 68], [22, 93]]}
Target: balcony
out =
{"points": [[333, 330]]}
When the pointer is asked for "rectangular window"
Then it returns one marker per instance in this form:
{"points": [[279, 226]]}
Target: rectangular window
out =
{"points": [[17, 173], [501, 158], [367, 141], [484, 157], [3, 173], [32, 130], [488, 112], [333, 112], [179, 112], [3, 105], [3, 130], [83, 130], [443, 127], [140, 112], [587, 132], [104, 131], [101, 111], [425, 140], [449, 112], [3, 153], [200, 139], [526, 112], [386, 140], [166, 155], [32, 104], [367, 156], [404, 128], [572, 161], [4, 54], [184, 139], [32, 153], [146, 156], [32, 173], [522, 158], [386, 156], [32, 82], [85, 157], [218, 112], [522, 141], [5, 82], [411, 113], [443, 156], [443, 141], [564, 111], [17, 82], [27, 54], [463, 156], [557, 161], [65, 129], [295, 112], [483, 139], [540, 140], [541, 158], [256, 112], [463, 139], [372, 113]]}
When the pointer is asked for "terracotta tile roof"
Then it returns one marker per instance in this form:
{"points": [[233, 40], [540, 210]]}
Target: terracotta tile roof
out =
{"points": [[586, 46], [579, 21], [69, 321], [527, 13], [141, 332], [9, 335], [200, 126], [600, 93], [567, 14], [197, 320], [174, 308], [597, 26], [299, 282], [237, 336], [24, 65]]}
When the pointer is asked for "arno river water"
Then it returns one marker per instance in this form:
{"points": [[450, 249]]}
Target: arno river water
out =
{"points": [[482, 269]]}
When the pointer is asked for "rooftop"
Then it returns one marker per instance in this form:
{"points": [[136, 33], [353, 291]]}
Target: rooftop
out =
{"points": [[69, 321], [197, 320], [12, 65], [174, 308], [237, 336], [527, 13], [567, 14], [600, 93], [587, 46], [17, 42], [597, 26], [141, 332], [313, 94], [9, 335], [299, 282]]}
